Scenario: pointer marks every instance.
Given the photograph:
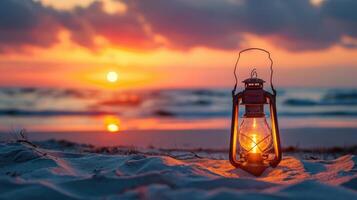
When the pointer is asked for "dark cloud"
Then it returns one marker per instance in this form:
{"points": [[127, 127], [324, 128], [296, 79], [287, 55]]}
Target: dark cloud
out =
{"points": [[294, 25], [29, 23], [343, 15], [291, 24], [26, 23]]}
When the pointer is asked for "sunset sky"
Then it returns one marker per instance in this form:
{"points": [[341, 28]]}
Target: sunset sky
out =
{"points": [[175, 43]]}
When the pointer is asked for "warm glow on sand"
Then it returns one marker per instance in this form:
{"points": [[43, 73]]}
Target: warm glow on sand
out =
{"points": [[112, 77]]}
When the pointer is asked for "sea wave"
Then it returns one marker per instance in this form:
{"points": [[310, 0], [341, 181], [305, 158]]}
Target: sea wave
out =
{"points": [[319, 114], [49, 113], [310, 102], [341, 95], [328, 98], [300, 102], [48, 92], [211, 114], [181, 103]]}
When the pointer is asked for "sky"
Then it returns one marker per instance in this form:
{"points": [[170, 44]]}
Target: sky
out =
{"points": [[176, 43]]}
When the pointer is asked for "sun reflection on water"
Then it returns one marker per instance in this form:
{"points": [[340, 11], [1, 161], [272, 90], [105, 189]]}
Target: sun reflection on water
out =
{"points": [[112, 124]]}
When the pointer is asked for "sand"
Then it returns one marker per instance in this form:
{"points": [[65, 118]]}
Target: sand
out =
{"points": [[55, 170]]}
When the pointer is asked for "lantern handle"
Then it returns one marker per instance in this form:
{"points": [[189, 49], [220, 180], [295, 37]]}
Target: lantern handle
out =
{"points": [[271, 69]]}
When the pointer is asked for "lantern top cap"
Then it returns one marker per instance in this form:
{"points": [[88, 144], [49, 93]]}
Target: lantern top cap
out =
{"points": [[253, 80]]}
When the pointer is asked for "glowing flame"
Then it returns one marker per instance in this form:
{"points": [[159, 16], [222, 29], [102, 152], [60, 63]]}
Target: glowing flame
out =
{"points": [[254, 143], [254, 138], [255, 135]]}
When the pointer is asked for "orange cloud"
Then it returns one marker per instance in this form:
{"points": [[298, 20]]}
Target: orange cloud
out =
{"points": [[174, 43]]}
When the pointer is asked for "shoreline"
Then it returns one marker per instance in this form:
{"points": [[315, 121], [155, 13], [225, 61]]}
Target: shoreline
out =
{"points": [[305, 138]]}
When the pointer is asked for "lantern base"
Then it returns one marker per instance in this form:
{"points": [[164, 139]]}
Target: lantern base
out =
{"points": [[254, 169], [254, 164], [254, 158]]}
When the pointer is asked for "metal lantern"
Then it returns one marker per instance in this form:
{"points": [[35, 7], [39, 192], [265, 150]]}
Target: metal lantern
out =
{"points": [[255, 141]]}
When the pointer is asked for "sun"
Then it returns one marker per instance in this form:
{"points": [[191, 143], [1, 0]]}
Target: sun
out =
{"points": [[112, 76]]}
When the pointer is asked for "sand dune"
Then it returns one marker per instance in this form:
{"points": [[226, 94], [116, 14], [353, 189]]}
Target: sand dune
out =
{"points": [[70, 173]]}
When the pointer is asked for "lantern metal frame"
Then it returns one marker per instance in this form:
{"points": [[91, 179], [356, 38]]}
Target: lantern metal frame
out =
{"points": [[256, 168]]}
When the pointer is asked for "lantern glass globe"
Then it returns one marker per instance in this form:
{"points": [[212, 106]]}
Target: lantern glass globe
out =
{"points": [[255, 135]]}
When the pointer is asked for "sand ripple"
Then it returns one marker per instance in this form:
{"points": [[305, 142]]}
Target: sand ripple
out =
{"points": [[26, 173]]}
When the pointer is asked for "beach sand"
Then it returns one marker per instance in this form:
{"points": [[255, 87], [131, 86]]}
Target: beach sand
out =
{"points": [[64, 170]]}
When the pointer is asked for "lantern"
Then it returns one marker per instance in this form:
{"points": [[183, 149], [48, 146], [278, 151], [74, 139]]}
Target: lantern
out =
{"points": [[255, 141]]}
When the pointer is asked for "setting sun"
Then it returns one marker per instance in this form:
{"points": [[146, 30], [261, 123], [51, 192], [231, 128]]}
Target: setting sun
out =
{"points": [[112, 76]]}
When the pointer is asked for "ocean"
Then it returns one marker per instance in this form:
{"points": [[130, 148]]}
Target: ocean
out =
{"points": [[53, 109]]}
